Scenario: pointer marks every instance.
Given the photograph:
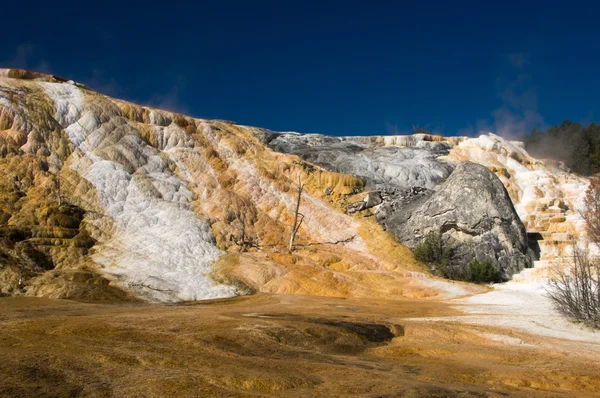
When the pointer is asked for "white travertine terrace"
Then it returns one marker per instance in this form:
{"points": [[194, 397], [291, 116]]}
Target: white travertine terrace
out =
{"points": [[158, 242]]}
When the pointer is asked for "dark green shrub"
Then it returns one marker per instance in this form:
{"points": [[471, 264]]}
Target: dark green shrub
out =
{"points": [[434, 252], [430, 250], [482, 272]]}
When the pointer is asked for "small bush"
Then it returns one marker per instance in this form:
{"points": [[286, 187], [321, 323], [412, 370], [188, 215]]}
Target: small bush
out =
{"points": [[482, 272], [576, 293], [433, 251]]}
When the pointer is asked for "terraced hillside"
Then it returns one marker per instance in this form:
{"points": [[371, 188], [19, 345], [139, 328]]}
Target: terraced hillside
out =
{"points": [[111, 200], [116, 200]]}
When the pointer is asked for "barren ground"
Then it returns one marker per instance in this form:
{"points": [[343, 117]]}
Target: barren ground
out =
{"points": [[280, 345]]}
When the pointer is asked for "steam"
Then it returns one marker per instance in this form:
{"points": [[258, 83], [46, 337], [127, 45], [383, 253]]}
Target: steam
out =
{"points": [[518, 113], [519, 60], [171, 100], [100, 82], [24, 57]]}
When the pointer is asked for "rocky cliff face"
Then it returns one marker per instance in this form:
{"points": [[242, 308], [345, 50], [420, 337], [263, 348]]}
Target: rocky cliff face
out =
{"points": [[381, 167]]}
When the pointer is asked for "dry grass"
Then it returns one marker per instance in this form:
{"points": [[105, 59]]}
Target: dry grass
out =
{"points": [[387, 248]]}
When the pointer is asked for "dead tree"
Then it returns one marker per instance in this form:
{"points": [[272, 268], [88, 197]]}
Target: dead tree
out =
{"points": [[576, 292], [20, 277], [58, 189], [243, 236], [298, 217], [591, 211]]}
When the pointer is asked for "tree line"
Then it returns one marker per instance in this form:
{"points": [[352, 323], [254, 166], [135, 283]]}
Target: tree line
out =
{"points": [[570, 142]]}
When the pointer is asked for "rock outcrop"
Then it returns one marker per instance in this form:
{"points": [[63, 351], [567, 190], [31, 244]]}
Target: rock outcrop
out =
{"points": [[475, 216], [410, 173], [546, 197]]}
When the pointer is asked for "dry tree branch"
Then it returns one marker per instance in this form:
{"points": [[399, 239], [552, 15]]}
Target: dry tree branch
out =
{"points": [[296, 225]]}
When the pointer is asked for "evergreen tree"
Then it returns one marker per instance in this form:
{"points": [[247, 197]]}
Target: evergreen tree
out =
{"points": [[570, 142]]}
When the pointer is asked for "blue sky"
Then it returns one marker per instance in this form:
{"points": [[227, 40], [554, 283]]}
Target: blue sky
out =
{"points": [[341, 68]]}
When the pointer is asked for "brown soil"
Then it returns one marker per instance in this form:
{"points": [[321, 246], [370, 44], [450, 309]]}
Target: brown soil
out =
{"points": [[264, 345]]}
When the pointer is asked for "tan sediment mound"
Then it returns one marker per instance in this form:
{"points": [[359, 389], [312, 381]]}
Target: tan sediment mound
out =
{"points": [[30, 75]]}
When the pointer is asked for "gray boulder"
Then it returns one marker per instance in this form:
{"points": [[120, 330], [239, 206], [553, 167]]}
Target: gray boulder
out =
{"points": [[473, 213], [371, 200]]}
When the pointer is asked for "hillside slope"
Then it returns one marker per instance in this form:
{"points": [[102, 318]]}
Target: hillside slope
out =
{"points": [[101, 197]]}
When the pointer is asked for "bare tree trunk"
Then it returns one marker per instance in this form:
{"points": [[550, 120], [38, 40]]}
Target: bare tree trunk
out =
{"points": [[243, 237], [591, 212], [58, 188], [575, 292], [296, 225]]}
